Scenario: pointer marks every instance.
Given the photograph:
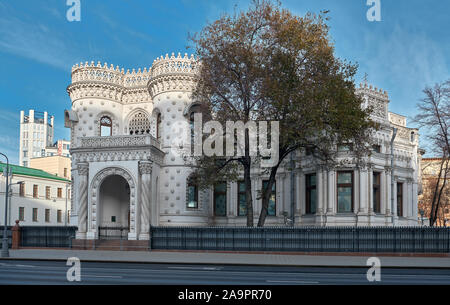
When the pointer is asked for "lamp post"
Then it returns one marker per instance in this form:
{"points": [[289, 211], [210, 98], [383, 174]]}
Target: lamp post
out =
{"points": [[394, 134], [5, 251]]}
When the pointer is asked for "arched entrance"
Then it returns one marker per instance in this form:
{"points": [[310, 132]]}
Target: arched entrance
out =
{"points": [[114, 208]]}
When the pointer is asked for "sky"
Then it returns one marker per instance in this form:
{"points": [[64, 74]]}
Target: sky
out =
{"points": [[403, 53]]}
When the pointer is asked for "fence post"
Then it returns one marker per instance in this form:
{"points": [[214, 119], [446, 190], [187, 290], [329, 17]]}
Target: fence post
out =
{"points": [[16, 236]]}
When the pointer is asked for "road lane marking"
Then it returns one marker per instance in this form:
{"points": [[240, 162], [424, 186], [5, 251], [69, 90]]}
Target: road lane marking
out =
{"points": [[104, 276], [296, 282], [197, 268]]}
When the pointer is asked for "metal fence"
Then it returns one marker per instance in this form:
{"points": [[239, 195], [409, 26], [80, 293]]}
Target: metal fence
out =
{"points": [[52, 237], [9, 234], [306, 239], [113, 232]]}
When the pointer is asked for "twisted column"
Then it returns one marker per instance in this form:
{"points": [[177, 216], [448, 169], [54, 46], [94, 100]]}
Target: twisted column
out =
{"points": [[83, 170], [145, 170]]}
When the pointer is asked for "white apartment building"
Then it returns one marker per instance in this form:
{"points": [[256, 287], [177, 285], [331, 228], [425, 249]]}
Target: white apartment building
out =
{"points": [[42, 199], [36, 134]]}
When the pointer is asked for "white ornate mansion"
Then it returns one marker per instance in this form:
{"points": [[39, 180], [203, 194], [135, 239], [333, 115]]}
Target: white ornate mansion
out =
{"points": [[126, 174]]}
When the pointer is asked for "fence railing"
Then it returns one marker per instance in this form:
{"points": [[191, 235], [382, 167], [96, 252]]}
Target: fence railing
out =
{"points": [[51, 237], [310, 239], [9, 234], [113, 232]]}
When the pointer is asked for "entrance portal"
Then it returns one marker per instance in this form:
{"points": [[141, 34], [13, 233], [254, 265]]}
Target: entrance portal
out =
{"points": [[114, 208]]}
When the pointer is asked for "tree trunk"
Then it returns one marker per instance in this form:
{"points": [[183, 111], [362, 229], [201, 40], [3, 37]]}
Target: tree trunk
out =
{"points": [[248, 181]]}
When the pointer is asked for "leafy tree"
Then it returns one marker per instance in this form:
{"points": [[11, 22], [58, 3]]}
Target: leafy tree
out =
{"points": [[267, 64]]}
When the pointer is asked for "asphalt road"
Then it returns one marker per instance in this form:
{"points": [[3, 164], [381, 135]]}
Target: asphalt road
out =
{"points": [[54, 273]]}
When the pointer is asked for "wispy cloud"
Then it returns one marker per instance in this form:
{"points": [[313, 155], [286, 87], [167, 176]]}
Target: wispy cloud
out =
{"points": [[33, 41]]}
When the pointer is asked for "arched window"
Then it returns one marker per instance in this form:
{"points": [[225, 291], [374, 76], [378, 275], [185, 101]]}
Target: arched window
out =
{"points": [[105, 126], [158, 127], [139, 124]]}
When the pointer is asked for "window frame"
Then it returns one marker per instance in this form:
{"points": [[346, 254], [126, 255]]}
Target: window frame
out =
{"points": [[400, 203], [274, 193], [34, 216], [109, 125], [308, 189], [47, 192], [216, 194], [346, 185], [188, 201], [35, 191], [376, 186], [239, 194], [21, 213], [47, 215]]}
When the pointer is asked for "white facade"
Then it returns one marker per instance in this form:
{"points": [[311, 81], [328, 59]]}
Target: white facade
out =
{"points": [[43, 200], [36, 133], [123, 127]]}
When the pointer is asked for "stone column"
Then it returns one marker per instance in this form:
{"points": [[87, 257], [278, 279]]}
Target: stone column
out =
{"points": [[365, 190], [145, 170], [83, 172], [331, 190], [300, 189]]}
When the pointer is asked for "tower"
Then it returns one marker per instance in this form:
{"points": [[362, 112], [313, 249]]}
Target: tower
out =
{"points": [[36, 133]]}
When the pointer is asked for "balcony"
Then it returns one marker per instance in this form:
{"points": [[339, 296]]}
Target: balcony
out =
{"points": [[131, 141]]}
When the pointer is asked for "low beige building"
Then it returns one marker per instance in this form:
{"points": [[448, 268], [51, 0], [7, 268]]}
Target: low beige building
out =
{"points": [[57, 165], [42, 199]]}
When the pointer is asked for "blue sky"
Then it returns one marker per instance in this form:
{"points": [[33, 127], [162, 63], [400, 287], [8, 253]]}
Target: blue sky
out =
{"points": [[408, 50]]}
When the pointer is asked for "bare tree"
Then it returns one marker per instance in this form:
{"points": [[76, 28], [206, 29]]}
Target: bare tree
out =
{"points": [[434, 117]]}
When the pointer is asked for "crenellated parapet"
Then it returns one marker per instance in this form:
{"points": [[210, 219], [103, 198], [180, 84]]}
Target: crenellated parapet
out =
{"points": [[174, 73], [378, 99]]}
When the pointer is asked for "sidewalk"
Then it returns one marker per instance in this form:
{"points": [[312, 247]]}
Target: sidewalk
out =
{"points": [[224, 258]]}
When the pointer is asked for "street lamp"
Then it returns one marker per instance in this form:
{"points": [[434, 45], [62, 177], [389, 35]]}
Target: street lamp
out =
{"points": [[422, 212], [5, 251]]}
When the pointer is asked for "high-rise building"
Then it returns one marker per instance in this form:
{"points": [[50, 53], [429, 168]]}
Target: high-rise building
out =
{"points": [[36, 134]]}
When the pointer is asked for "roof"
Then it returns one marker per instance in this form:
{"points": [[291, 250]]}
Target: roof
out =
{"points": [[32, 172]]}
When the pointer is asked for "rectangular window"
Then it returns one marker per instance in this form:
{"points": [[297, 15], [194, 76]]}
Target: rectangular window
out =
{"points": [[35, 214], [272, 208], [22, 190], [47, 192], [345, 192], [345, 147], [242, 199], [21, 213], [59, 216], [65, 172], [47, 215], [192, 196], [376, 148], [400, 199], [311, 194], [35, 191], [376, 193], [220, 199], [59, 192]]}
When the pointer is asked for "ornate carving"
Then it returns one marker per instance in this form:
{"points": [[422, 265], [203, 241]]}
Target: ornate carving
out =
{"points": [[145, 167], [119, 141], [83, 170]]}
